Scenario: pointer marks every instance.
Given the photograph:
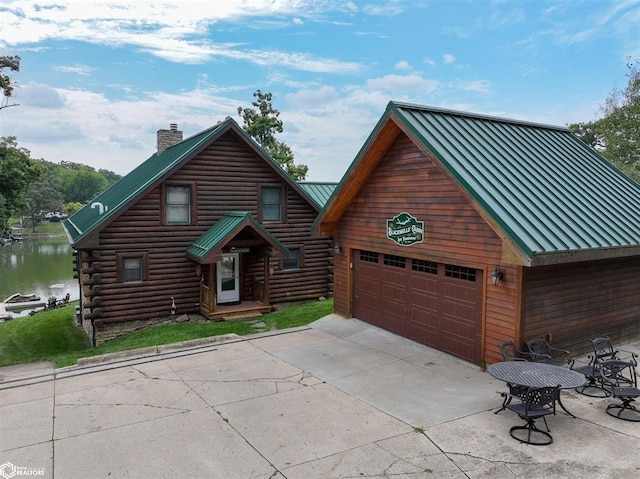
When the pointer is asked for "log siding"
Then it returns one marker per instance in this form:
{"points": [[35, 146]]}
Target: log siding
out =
{"points": [[226, 175]]}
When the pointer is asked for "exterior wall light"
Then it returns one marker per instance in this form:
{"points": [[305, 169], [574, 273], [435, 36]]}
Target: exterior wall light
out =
{"points": [[337, 248], [496, 276]]}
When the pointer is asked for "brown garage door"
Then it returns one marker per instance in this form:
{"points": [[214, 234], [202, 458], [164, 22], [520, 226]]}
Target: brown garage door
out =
{"points": [[435, 304]]}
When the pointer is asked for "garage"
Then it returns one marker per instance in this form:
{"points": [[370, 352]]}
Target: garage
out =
{"points": [[462, 231], [433, 303]]}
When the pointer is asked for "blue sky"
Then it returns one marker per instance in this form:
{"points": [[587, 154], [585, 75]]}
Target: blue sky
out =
{"points": [[99, 78]]}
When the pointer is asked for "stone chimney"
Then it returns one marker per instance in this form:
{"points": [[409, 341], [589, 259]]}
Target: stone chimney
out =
{"points": [[168, 138]]}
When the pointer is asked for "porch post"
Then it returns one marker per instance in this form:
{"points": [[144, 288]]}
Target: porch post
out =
{"points": [[265, 299], [212, 288]]}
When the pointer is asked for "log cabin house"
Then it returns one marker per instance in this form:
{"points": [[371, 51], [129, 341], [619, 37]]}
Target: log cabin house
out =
{"points": [[462, 231], [209, 225]]}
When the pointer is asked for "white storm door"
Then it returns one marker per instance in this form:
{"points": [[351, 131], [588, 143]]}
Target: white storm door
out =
{"points": [[228, 278]]}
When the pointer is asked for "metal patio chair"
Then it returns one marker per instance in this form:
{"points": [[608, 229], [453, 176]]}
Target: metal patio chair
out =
{"points": [[621, 381], [604, 350], [593, 386], [537, 403], [543, 352], [511, 353]]}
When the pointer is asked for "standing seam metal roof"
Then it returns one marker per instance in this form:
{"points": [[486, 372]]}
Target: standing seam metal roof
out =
{"points": [[114, 198], [219, 233], [117, 197], [318, 192], [546, 189]]}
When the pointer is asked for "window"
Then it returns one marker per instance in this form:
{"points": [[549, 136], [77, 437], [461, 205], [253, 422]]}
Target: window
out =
{"points": [[178, 204], [132, 267], [395, 261], [424, 266], [293, 261], [460, 272], [369, 256], [271, 204]]}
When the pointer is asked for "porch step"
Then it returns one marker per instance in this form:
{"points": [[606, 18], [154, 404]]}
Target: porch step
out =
{"points": [[243, 315]]}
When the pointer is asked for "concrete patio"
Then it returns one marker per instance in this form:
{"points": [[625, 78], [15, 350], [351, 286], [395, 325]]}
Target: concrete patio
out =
{"points": [[337, 399]]}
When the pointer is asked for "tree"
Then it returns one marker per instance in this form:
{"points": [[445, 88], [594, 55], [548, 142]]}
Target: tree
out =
{"points": [[617, 134], [262, 125], [71, 208], [83, 185], [6, 82], [43, 196], [18, 171], [110, 176]]}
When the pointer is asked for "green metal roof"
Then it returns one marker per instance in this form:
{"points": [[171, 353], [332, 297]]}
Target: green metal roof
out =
{"points": [[547, 190], [318, 192], [117, 198], [224, 230]]}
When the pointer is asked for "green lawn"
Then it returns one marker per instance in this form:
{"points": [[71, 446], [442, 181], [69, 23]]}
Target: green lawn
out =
{"points": [[53, 336]]}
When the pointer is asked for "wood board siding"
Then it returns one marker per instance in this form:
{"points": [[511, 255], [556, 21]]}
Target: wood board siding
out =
{"points": [[502, 311], [226, 175], [407, 179], [580, 301]]}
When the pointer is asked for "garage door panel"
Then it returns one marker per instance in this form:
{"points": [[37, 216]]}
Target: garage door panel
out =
{"points": [[424, 303], [367, 298]]}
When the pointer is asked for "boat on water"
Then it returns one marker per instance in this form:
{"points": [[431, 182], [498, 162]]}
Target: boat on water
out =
{"points": [[22, 301], [22, 298]]}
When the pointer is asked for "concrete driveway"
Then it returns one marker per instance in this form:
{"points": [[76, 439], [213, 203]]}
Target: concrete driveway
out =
{"points": [[337, 399]]}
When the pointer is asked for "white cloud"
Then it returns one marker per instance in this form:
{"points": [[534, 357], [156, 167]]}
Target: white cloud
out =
{"points": [[390, 7], [39, 96], [399, 83], [178, 34], [78, 69], [402, 65], [478, 86], [448, 58]]}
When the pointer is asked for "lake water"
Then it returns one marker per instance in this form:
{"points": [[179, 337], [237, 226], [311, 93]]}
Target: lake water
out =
{"points": [[40, 266]]}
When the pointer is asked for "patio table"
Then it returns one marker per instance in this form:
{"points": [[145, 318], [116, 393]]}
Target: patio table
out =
{"points": [[537, 375]]}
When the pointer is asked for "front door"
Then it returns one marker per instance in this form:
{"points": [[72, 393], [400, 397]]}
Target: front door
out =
{"points": [[228, 278]]}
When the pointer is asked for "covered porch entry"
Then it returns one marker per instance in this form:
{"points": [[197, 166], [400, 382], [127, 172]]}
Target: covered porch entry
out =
{"points": [[233, 262]]}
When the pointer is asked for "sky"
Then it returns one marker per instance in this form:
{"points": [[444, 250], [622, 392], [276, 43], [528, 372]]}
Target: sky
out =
{"points": [[98, 79]]}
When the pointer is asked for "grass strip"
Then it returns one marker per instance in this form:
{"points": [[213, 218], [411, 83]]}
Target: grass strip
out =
{"points": [[53, 335]]}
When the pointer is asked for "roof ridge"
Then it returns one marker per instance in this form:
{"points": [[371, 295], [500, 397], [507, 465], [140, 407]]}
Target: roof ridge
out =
{"points": [[479, 116]]}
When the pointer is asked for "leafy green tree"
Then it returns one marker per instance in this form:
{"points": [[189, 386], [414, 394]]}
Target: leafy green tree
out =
{"points": [[18, 171], [617, 134], [42, 197], [71, 208], [6, 82], [262, 124], [83, 184], [110, 176]]}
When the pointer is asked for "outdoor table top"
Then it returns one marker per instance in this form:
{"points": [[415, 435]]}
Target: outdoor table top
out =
{"points": [[536, 375]]}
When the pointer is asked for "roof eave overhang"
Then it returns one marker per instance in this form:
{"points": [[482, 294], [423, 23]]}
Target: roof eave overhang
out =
{"points": [[213, 253], [117, 211], [365, 162], [592, 254]]}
